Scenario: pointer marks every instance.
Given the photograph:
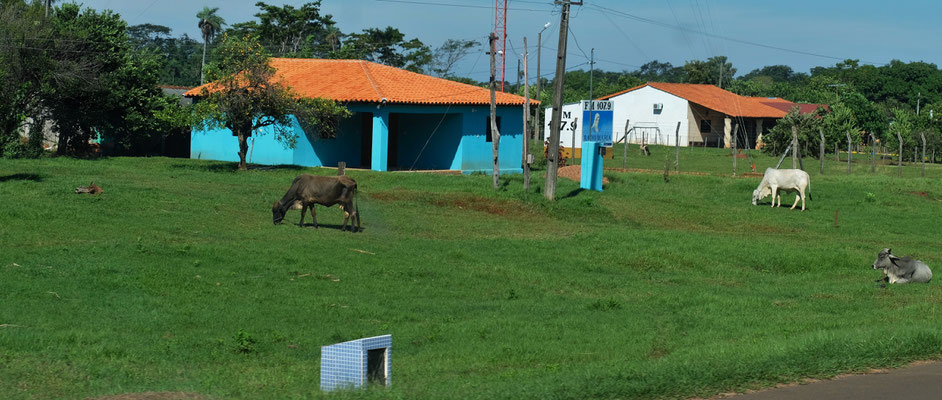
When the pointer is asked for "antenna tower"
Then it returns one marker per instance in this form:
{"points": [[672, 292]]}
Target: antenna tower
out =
{"points": [[500, 31]]}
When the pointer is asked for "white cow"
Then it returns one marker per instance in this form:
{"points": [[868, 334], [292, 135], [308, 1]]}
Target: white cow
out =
{"points": [[782, 180]]}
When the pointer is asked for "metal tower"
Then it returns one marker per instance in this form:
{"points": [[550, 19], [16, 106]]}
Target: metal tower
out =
{"points": [[500, 30]]}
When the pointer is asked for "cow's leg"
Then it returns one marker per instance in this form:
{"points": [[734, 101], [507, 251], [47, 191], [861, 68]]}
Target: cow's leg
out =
{"points": [[774, 190], [797, 197], [314, 215], [357, 213], [802, 191], [303, 210]]}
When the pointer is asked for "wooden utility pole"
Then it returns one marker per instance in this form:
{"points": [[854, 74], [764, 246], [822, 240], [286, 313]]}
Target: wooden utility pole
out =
{"points": [[624, 160], [923, 134], [526, 115], [495, 135], [734, 137], [821, 154], [552, 159], [794, 147], [677, 148], [518, 74], [539, 82], [900, 169], [848, 151], [873, 153]]}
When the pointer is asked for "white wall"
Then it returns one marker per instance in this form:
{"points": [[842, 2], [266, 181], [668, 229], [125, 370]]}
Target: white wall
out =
{"points": [[637, 107], [571, 112]]}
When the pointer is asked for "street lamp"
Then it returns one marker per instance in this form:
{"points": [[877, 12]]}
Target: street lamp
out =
{"points": [[539, 81]]}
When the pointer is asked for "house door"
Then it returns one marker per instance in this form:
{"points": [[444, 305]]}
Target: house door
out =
{"points": [[393, 156], [366, 140]]}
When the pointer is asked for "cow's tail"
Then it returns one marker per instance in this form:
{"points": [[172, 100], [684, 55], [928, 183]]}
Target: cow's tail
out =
{"points": [[809, 190], [356, 207]]}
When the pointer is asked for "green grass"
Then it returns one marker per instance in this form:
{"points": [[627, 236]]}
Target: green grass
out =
{"points": [[175, 279]]}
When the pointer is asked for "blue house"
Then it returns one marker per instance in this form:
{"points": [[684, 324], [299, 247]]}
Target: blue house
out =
{"points": [[400, 120]]}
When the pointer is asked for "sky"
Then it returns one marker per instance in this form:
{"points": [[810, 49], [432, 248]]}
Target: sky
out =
{"points": [[624, 33]]}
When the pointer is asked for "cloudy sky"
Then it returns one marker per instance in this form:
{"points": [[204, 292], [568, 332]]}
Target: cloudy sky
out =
{"points": [[625, 33]]}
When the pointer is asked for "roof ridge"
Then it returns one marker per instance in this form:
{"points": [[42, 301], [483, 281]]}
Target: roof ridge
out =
{"points": [[369, 77]]}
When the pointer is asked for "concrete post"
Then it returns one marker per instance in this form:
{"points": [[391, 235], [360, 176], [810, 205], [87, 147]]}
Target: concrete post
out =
{"points": [[380, 140], [727, 130]]}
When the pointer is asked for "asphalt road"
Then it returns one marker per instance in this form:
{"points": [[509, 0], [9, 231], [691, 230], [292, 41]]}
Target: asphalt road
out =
{"points": [[919, 381]]}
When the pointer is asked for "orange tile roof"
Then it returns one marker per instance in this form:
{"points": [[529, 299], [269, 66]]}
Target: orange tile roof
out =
{"points": [[724, 101], [369, 82]]}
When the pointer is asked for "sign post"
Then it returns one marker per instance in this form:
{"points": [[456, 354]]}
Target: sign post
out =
{"points": [[597, 128]]}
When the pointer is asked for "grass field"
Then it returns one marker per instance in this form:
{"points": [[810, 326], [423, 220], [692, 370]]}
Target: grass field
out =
{"points": [[175, 279]]}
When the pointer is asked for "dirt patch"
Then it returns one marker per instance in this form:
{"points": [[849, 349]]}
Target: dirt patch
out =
{"points": [[923, 194], [462, 201], [475, 203], [574, 172], [152, 396]]}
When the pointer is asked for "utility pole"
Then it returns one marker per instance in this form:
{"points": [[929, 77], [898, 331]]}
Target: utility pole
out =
{"points": [[734, 137], [918, 97], [900, 169], [552, 161], [539, 81], [794, 147], [873, 153], [923, 135], [676, 148], [526, 114], [495, 135], [848, 151], [518, 74]]}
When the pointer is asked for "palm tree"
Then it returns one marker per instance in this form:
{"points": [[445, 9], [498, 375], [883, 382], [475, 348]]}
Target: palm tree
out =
{"points": [[333, 36], [210, 24]]}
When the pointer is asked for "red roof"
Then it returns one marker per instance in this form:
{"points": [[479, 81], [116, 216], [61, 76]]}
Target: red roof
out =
{"points": [[724, 101], [368, 82]]}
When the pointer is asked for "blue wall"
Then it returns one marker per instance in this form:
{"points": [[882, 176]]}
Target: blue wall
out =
{"points": [[455, 138]]}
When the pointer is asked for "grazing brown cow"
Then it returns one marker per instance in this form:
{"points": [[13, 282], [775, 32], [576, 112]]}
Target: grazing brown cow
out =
{"points": [[324, 190]]}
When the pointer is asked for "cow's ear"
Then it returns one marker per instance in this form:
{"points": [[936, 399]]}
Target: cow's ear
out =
{"points": [[275, 205]]}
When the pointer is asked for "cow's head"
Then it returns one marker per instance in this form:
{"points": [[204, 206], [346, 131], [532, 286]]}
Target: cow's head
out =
{"points": [[276, 214], [884, 259], [760, 194]]}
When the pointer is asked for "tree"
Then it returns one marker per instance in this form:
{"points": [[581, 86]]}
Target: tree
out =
{"points": [[655, 71], [449, 53], [25, 63], [244, 97], [780, 136], [289, 31], [209, 25], [386, 46], [714, 71]]}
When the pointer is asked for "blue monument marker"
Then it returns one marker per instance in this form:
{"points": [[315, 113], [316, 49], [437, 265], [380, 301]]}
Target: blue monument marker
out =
{"points": [[597, 131]]}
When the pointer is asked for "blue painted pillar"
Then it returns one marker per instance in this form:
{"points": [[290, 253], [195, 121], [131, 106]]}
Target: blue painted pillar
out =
{"points": [[380, 140], [591, 166]]}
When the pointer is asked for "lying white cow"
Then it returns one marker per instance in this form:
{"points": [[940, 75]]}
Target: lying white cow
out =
{"points": [[782, 180], [902, 270]]}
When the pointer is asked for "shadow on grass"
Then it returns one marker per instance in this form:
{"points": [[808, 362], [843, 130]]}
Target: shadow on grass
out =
{"points": [[327, 226], [234, 167], [21, 177], [574, 193]]}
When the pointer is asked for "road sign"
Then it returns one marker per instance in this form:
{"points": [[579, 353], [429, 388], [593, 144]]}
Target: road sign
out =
{"points": [[597, 120]]}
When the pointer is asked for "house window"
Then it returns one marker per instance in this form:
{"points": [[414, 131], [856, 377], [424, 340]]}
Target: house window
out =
{"points": [[658, 107], [488, 136], [705, 126]]}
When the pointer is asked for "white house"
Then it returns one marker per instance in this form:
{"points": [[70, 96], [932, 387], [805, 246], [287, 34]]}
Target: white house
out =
{"points": [[707, 114]]}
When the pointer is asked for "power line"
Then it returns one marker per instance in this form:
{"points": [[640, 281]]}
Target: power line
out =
{"points": [[700, 32], [430, 3]]}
